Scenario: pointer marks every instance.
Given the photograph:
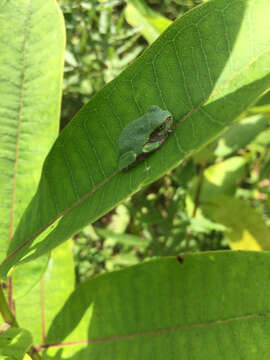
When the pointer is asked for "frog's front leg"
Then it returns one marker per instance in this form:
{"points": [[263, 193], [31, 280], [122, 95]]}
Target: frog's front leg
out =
{"points": [[126, 159], [154, 143], [139, 159]]}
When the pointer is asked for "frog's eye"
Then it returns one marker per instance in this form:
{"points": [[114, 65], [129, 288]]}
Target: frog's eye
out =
{"points": [[161, 127]]}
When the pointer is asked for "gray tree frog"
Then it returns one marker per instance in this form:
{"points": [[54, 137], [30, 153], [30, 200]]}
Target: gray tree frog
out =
{"points": [[143, 136]]}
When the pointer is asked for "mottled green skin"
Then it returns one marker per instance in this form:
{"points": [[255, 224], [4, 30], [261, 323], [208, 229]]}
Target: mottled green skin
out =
{"points": [[143, 135]]}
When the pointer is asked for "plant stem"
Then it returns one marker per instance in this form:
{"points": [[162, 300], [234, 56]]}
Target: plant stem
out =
{"points": [[5, 310], [33, 353]]}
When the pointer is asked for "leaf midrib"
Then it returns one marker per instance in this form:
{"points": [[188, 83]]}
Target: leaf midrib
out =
{"points": [[19, 122], [158, 332]]}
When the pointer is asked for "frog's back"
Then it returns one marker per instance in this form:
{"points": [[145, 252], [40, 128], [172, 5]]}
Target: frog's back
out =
{"points": [[133, 136], [136, 133]]}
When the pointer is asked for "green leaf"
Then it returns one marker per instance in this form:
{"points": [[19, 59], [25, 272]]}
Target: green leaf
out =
{"points": [[208, 306], [205, 155], [264, 100], [204, 69], [121, 260], [38, 307], [14, 343], [203, 225], [222, 178], [31, 62], [262, 141], [240, 135], [151, 24], [263, 104], [124, 239], [247, 229], [25, 277]]}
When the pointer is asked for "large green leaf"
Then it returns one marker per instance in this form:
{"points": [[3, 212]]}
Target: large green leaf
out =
{"points": [[205, 306], [31, 62], [204, 69]]}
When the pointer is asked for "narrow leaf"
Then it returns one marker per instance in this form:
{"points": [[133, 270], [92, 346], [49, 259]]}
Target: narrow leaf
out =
{"points": [[31, 62]]}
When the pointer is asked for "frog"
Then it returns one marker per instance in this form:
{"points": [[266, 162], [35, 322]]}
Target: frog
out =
{"points": [[143, 136]]}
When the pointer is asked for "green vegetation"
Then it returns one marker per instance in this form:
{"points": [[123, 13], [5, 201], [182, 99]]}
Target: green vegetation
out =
{"points": [[70, 218]]}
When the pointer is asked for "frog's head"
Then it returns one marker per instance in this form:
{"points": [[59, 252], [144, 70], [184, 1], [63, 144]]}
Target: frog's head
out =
{"points": [[166, 127]]}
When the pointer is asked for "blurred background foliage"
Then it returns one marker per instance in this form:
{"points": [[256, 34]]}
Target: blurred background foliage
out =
{"points": [[219, 198]]}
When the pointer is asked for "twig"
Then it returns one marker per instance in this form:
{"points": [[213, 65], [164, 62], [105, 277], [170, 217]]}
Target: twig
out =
{"points": [[5, 310], [196, 203]]}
